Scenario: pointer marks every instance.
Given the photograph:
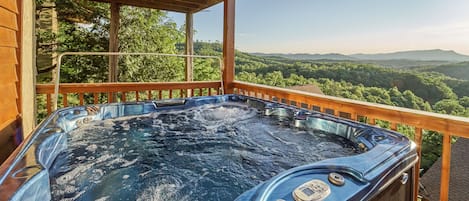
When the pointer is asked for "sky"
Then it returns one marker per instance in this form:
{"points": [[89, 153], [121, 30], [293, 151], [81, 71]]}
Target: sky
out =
{"points": [[339, 26]]}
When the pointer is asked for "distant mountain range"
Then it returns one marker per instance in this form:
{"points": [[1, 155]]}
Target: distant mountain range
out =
{"points": [[332, 56], [415, 55]]}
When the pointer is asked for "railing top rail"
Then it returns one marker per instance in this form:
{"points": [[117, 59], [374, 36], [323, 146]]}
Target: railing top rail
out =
{"points": [[123, 86], [453, 125]]}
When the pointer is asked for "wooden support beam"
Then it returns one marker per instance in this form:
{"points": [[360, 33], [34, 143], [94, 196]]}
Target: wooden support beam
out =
{"points": [[114, 42], [183, 6], [445, 167], [189, 46], [114, 46], [229, 45], [189, 49], [152, 4], [418, 136]]}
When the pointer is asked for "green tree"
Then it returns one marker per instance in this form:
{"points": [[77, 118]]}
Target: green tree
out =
{"points": [[449, 106], [149, 30]]}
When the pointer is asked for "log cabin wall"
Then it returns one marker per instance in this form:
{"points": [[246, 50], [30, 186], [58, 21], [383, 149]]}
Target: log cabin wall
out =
{"points": [[10, 69]]}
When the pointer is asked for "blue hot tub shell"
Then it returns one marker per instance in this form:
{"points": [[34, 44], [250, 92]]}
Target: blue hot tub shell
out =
{"points": [[386, 160]]}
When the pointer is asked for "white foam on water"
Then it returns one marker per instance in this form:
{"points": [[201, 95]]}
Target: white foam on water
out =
{"points": [[92, 148], [162, 192], [218, 150], [106, 198], [129, 163]]}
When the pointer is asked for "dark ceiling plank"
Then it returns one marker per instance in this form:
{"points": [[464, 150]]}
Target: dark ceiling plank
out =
{"points": [[206, 4], [151, 4], [183, 6]]}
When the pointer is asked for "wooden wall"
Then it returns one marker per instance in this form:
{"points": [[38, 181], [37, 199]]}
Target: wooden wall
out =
{"points": [[10, 69]]}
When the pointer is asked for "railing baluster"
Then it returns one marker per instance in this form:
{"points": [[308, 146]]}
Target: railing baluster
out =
{"points": [[123, 97], [393, 126], [137, 96], [445, 167], [149, 95], [96, 98], [192, 92], [80, 96], [372, 121], [209, 91], [170, 93], [65, 99], [200, 91], [181, 93], [110, 97], [160, 94], [418, 140], [48, 104]]}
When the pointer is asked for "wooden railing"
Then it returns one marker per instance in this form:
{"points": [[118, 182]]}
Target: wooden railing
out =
{"points": [[447, 125], [95, 93]]}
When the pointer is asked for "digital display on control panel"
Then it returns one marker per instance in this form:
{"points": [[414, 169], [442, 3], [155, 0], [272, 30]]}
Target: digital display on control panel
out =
{"points": [[308, 191]]}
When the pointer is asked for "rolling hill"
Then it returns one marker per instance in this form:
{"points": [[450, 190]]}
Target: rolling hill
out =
{"points": [[305, 56], [409, 57], [456, 70], [419, 55]]}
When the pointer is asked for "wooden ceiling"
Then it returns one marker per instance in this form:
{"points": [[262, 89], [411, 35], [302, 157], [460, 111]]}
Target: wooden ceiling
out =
{"points": [[183, 6]]}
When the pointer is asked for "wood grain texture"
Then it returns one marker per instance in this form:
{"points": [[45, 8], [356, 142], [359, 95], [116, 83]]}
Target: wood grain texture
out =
{"points": [[8, 74], [8, 38], [8, 19], [10, 5], [8, 105], [183, 6], [229, 45], [114, 43], [8, 55], [189, 46], [27, 65], [445, 167]]}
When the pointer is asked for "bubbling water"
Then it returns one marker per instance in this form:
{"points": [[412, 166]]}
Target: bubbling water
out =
{"points": [[207, 153]]}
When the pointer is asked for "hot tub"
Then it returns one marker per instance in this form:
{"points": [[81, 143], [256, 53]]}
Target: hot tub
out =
{"points": [[228, 147]]}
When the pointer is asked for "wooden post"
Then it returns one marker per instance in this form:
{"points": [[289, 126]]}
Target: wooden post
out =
{"points": [[55, 30], [445, 167], [229, 45], [114, 42], [189, 49], [418, 136], [189, 45], [28, 66], [113, 45]]}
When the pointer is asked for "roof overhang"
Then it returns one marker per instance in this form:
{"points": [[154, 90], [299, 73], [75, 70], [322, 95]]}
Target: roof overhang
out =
{"points": [[183, 6]]}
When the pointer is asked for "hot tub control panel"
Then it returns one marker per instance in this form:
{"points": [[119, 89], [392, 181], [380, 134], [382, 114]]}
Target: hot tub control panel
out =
{"points": [[314, 190]]}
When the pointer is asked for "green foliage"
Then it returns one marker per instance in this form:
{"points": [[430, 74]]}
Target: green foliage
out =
{"points": [[449, 106], [455, 70], [74, 38], [149, 30]]}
